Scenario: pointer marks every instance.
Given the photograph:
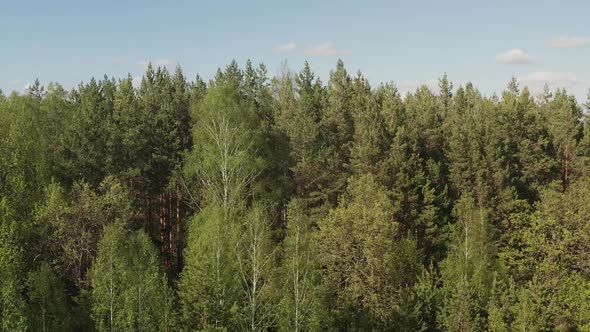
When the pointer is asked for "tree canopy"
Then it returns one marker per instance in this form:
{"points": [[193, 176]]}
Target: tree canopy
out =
{"points": [[286, 203]]}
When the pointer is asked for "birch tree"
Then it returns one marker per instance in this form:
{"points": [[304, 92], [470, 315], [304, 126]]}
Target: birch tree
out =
{"points": [[360, 256], [224, 162], [254, 252], [224, 158], [301, 277], [127, 289], [209, 287], [467, 271]]}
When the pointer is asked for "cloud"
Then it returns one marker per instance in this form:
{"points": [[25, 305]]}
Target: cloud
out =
{"points": [[285, 48], [568, 41], [136, 81], [538, 79], [410, 86], [514, 56], [325, 49], [156, 63], [15, 82]]}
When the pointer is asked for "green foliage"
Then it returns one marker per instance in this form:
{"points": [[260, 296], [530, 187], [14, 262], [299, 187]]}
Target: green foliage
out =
{"points": [[129, 288], [369, 139], [48, 303], [255, 258], [302, 299], [71, 226], [564, 118], [467, 271], [337, 130], [209, 287], [224, 158], [419, 303], [13, 316], [288, 204], [362, 257]]}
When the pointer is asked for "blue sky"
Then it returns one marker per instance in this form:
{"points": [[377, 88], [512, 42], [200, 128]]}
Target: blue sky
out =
{"points": [[407, 42]]}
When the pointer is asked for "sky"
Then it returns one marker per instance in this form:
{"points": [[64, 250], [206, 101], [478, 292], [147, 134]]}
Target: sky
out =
{"points": [[405, 42]]}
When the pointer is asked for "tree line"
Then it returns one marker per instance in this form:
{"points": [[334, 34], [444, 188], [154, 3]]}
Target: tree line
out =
{"points": [[284, 203]]}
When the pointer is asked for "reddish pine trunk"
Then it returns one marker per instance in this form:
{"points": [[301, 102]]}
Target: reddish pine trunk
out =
{"points": [[178, 229], [170, 228]]}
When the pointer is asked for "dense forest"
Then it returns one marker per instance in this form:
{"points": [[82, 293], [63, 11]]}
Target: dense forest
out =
{"points": [[285, 203]]}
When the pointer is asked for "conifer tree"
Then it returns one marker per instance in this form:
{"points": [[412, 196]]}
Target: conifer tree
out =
{"points": [[564, 119], [299, 103], [369, 140], [337, 128]]}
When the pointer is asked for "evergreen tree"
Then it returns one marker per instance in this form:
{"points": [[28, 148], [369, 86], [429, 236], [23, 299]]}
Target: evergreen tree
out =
{"points": [[564, 119], [86, 138], [417, 167], [439, 211], [299, 104], [369, 139], [337, 128]]}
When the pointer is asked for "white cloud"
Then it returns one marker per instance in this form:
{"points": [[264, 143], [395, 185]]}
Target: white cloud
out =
{"points": [[536, 80], [410, 86], [15, 82], [285, 48], [514, 56], [136, 81], [325, 49], [568, 41], [156, 63]]}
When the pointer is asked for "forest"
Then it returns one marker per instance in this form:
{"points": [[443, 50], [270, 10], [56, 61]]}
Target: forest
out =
{"points": [[288, 203]]}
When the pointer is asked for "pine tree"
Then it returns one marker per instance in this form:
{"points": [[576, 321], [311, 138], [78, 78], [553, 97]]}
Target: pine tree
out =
{"points": [[86, 149], [584, 146], [337, 128], [299, 103], [369, 140], [416, 167], [446, 92], [565, 125]]}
